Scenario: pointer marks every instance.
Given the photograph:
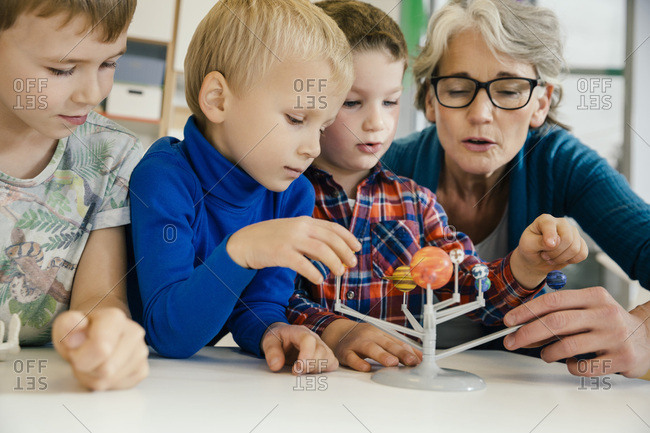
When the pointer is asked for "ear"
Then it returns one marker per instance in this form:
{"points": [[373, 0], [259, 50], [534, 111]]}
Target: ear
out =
{"points": [[543, 105], [213, 97], [429, 105]]}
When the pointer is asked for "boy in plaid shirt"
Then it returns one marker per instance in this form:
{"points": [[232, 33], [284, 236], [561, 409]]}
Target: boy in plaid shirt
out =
{"points": [[393, 217]]}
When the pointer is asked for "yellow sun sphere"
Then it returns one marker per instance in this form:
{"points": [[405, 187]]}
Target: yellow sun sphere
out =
{"points": [[402, 279]]}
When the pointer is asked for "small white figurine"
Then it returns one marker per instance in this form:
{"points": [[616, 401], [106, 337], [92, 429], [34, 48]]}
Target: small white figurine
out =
{"points": [[11, 346]]}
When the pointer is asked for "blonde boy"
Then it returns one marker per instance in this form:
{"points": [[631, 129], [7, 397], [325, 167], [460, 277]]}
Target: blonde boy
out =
{"points": [[393, 216], [64, 172], [224, 213]]}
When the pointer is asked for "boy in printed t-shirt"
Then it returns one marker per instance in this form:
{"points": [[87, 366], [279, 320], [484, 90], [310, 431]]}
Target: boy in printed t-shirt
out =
{"points": [[64, 174]]}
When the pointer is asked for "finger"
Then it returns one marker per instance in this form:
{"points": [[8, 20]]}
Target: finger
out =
{"points": [[352, 360], [378, 353], [322, 252], [272, 348], [405, 353], [583, 254], [546, 227], [304, 267], [573, 345], [306, 345], [338, 247], [135, 378], [568, 243], [324, 360], [561, 255], [598, 366], [69, 332], [105, 328], [332, 362], [557, 301], [129, 355], [575, 253], [128, 366], [556, 325], [343, 233], [538, 344]]}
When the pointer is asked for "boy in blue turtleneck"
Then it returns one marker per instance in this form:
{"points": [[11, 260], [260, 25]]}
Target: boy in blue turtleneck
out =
{"points": [[220, 220]]}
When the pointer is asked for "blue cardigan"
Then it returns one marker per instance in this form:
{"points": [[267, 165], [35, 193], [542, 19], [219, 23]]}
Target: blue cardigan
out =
{"points": [[186, 201], [553, 173]]}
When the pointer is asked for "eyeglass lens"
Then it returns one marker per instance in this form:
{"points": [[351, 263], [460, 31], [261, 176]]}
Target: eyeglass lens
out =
{"points": [[509, 93]]}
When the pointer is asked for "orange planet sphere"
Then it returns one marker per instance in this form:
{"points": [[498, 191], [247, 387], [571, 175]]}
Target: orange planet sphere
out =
{"points": [[431, 266]]}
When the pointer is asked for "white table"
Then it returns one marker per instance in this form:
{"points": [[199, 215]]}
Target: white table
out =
{"points": [[223, 390]]}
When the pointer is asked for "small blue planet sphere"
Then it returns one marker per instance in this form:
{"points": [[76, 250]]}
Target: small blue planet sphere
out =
{"points": [[555, 280], [483, 284]]}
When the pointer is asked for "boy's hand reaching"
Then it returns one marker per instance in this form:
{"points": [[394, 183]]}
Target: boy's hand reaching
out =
{"points": [[352, 342], [286, 241], [285, 344], [106, 349], [548, 244]]}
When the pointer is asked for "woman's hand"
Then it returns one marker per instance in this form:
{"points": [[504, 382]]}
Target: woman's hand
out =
{"points": [[575, 322]]}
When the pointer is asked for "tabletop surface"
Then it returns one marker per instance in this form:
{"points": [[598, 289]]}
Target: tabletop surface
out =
{"points": [[223, 389]]}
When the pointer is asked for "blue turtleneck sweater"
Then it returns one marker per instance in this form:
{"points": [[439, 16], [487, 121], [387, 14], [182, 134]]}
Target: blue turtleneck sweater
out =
{"points": [[186, 201]]}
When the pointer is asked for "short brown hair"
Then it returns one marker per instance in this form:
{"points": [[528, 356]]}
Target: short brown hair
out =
{"points": [[367, 27], [112, 17], [242, 39]]}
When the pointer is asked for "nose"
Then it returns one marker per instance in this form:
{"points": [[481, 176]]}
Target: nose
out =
{"points": [[310, 146], [481, 108], [88, 91], [373, 121]]}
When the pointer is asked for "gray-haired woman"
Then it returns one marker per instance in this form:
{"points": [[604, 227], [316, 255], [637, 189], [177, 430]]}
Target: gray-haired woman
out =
{"points": [[497, 158]]}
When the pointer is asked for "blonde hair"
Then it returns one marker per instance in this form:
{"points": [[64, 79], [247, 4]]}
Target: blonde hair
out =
{"points": [[518, 29], [111, 17], [242, 39]]}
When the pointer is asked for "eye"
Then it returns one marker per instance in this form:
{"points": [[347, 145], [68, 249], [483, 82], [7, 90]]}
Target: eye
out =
{"points": [[391, 103], [458, 92], [109, 65], [351, 103], [292, 120], [61, 72]]}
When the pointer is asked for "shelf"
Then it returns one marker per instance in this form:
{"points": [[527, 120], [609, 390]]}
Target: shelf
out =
{"points": [[117, 117]]}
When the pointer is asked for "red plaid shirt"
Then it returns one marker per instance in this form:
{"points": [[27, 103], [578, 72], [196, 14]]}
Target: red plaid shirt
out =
{"points": [[393, 218]]}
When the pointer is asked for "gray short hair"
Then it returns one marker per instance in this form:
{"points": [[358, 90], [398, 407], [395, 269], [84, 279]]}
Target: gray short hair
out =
{"points": [[519, 29]]}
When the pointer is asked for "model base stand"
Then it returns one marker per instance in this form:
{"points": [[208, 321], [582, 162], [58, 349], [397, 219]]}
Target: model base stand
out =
{"points": [[431, 268]]}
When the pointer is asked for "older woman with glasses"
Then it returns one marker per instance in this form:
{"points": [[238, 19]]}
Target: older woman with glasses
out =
{"points": [[497, 157]]}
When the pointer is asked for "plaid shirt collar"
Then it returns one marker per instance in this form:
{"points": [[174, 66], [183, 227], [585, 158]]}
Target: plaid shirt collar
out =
{"points": [[325, 181]]}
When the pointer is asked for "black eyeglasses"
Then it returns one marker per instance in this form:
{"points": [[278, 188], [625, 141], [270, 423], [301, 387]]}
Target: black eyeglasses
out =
{"points": [[505, 93]]}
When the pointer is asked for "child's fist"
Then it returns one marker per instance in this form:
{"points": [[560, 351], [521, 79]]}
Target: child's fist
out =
{"points": [[106, 349], [548, 244]]}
